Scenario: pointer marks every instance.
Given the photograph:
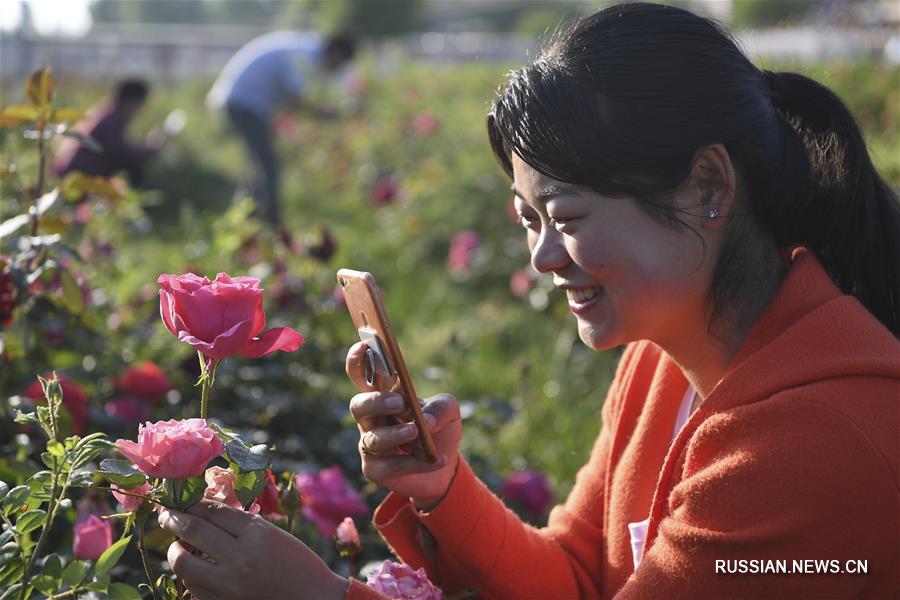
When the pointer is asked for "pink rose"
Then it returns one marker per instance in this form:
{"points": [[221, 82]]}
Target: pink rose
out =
{"points": [[127, 410], [221, 318], [327, 499], [92, 537], [146, 381], [220, 487], [400, 581], [462, 250], [130, 503], [173, 449], [74, 400], [529, 490]]}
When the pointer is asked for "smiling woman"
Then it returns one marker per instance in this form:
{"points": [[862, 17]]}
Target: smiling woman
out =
{"points": [[726, 225]]}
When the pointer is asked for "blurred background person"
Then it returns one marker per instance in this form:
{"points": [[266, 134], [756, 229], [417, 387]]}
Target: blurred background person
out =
{"points": [[107, 124], [269, 74]]}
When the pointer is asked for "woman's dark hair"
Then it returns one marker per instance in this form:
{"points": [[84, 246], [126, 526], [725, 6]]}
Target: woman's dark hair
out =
{"points": [[132, 90], [622, 101]]}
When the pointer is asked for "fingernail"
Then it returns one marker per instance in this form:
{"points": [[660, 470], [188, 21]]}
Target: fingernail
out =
{"points": [[431, 420], [393, 401], [176, 519], [408, 429]]}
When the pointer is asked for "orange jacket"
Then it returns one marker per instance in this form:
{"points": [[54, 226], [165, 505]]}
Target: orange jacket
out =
{"points": [[792, 457]]}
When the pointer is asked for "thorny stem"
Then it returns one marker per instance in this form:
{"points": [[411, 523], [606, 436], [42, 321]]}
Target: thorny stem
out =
{"points": [[51, 512], [141, 521]]}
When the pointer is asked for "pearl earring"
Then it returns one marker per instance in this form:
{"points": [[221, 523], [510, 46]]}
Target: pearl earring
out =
{"points": [[714, 213]]}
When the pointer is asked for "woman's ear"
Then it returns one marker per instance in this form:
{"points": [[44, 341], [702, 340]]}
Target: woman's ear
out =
{"points": [[713, 176]]}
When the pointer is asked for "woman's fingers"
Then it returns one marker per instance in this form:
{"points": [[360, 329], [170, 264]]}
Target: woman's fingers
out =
{"points": [[232, 520], [440, 411], [191, 568], [198, 532], [386, 468], [370, 408], [358, 365], [385, 440]]}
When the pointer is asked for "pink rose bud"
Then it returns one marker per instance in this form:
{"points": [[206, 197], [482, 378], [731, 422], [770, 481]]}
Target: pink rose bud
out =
{"points": [[326, 499], [529, 490], [220, 487], [399, 581], [145, 381], [92, 537], [221, 318], [173, 449], [347, 538], [74, 400], [129, 502]]}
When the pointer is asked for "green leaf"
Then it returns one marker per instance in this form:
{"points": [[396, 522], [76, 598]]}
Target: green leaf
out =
{"points": [[11, 572], [83, 479], [42, 478], [93, 439], [99, 584], [56, 449], [31, 520], [4, 489], [11, 592], [122, 591], [45, 585], [254, 458], [9, 552], [72, 296], [111, 556], [6, 535], [74, 572], [23, 417], [15, 499], [53, 567], [122, 473], [247, 486], [50, 460], [84, 456], [181, 494]]}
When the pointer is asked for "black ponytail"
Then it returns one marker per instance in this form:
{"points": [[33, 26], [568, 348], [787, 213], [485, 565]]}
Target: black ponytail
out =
{"points": [[844, 212], [622, 101]]}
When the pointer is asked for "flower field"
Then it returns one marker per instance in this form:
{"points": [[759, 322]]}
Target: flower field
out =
{"points": [[403, 186]]}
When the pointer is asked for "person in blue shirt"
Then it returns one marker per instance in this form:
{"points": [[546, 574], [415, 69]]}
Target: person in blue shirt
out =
{"points": [[267, 75]]}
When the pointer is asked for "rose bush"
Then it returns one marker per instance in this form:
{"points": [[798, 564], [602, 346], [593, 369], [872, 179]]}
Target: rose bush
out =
{"points": [[173, 449], [222, 317]]}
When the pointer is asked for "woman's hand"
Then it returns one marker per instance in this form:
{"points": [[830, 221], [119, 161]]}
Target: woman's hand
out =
{"points": [[381, 438], [252, 557]]}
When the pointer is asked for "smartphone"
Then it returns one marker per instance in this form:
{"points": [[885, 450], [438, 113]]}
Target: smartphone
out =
{"points": [[383, 362]]}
